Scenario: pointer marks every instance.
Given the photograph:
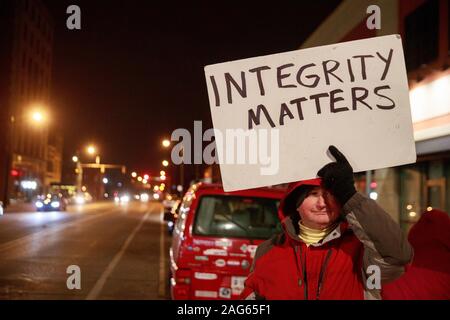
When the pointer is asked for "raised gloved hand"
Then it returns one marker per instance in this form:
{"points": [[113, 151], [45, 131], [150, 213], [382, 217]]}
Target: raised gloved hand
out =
{"points": [[337, 177]]}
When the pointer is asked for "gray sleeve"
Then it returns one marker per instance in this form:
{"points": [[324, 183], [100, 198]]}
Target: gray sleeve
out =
{"points": [[385, 245]]}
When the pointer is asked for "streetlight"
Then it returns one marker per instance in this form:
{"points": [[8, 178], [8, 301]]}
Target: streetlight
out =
{"points": [[75, 159], [165, 163], [37, 117], [134, 174], [165, 143], [162, 173], [90, 149]]}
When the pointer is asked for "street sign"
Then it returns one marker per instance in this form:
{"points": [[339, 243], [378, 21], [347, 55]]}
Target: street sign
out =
{"points": [[275, 116]]}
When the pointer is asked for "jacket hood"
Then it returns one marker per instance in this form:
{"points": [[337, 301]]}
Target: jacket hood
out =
{"points": [[287, 205]]}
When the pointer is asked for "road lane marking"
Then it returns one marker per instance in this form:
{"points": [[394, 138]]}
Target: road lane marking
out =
{"points": [[98, 287], [162, 260]]}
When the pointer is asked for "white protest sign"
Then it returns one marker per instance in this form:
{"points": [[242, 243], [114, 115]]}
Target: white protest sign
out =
{"points": [[275, 116]]}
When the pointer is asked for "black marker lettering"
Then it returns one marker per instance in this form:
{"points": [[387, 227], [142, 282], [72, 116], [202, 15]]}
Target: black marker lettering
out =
{"points": [[316, 97], [252, 118], [387, 62], [242, 90], [334, 99], [363, 64], [356, 98], [216, 91], [258, 75], [299, 106], [327, 71], [392, 106], [310, 76], [282, 76]]}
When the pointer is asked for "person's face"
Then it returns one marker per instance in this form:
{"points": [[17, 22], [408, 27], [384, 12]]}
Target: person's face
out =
{"points": [[319, 209]]}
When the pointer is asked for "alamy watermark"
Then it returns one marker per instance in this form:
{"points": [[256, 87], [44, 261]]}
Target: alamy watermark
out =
{"points": [[234, 146], [74, 280]]}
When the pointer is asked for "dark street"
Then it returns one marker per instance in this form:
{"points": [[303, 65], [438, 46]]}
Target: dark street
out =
{"points": [[117, 248]]}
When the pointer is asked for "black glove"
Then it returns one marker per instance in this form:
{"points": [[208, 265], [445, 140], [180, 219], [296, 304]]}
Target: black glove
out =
{"points": [[337, 177]]}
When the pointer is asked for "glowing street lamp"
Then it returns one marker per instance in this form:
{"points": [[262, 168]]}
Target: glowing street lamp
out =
{"points": [[37, 116], [162, 173], [166, 143], [90, 149], [165, 163], [75, 159], [134, 174]]}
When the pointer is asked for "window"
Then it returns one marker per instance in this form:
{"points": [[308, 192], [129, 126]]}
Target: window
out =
{"points": [[422, 35], [235, 216], [183, 212]]}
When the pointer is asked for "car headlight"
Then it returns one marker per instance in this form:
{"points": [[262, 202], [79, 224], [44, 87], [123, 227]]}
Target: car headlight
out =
{"points": [[79, 200], [125, 199], [55, 204], [39, 204]]}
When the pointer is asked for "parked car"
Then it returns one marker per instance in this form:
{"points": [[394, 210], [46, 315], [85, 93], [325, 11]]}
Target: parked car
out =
{"points": [[51, 202], [169, 201], [171, 215], [215, 239]]}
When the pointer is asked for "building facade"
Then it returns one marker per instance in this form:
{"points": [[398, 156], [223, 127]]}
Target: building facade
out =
{"points": [[408, 191], [54, 159], [26, 68]]}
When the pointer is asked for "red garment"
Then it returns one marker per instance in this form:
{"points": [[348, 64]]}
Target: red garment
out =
{"points": [[341, 280], [366, 237], [277, 274], [428, 277]]}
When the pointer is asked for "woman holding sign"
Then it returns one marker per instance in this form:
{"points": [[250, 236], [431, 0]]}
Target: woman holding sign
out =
{"points": [[336, 244]]}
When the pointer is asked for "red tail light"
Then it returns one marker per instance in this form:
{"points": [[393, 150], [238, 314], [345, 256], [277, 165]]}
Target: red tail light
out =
{"points": [[183, 276], [181, 284]]}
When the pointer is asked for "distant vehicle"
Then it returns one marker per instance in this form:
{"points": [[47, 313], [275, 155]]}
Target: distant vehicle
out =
{"points": [[81, 198], [169, 201], [215, 239], [171, 216], [122, 198], [144, 197], [51, 202]]}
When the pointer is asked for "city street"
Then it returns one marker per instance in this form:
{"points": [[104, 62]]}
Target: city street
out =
{"points": [[121, 251], [224, 151]]}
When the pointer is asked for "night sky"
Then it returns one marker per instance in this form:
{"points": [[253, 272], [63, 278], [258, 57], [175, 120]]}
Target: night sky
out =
{"points": [[134, 72]]}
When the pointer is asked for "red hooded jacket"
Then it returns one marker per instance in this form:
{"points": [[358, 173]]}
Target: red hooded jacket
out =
{"points": [[335, 268]]}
